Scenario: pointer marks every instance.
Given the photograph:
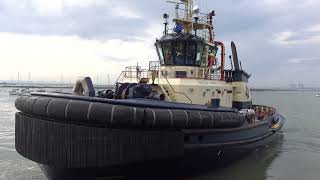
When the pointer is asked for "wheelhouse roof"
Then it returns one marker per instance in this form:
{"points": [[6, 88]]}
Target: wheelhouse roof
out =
{"points": [[180, 37]]}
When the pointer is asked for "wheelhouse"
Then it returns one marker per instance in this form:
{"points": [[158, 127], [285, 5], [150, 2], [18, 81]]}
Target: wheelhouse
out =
{"points": [[183, 50]]}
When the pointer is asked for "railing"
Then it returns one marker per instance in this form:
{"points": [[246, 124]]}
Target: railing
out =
{"points": [[173, 88], [121, 75], [214, 75], [181, 14], [154, 65], [134, 73], [262, 112], [228, 75]]}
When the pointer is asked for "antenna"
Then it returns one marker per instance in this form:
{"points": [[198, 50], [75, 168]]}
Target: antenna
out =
{"points": [[61, 79], [166, 18], [196, 10], [97, 79], [108, 80], [18, 78], [29, 78]]}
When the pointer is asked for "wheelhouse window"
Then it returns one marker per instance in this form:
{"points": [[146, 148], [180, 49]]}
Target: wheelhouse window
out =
{"points": [[213, 50], [191, 50], [160, 53], [168, 53], [180, 53], [200, 60]]}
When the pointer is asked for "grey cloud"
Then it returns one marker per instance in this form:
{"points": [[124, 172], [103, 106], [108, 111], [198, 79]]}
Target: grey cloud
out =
{"points": [[247, 22], [95, 22], [114, 59]]}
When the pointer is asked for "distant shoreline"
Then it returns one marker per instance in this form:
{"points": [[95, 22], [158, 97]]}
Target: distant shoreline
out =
{"points": [[70, 86], [276, 89], [67, 86]]}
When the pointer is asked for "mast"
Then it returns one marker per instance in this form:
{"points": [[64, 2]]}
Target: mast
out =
{"points": [[191, 20], [61, 81], [29, 79], [188, 14], [18, 78], [108, 80], [188, 9]]}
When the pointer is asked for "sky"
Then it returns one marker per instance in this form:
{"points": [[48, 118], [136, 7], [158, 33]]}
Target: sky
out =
{"points": [[277, 40]]}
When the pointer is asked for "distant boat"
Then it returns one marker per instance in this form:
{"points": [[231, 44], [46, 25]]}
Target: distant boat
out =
{"points": [[317, 95], [20, 92], [25, 90], [57, 91], [14, 92], [41, 90]]}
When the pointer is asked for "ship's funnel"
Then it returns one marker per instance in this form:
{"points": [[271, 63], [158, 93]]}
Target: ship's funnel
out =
{"points": [[235, 57]]}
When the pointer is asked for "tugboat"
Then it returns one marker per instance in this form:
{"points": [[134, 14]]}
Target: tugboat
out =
{"points": [[185, 111]]}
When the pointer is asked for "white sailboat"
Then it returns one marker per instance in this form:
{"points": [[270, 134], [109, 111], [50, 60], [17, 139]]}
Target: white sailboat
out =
{"points": [[15, 91]]}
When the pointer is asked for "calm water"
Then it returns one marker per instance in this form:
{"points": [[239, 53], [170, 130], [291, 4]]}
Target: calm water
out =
{"points": [[295, 157]]}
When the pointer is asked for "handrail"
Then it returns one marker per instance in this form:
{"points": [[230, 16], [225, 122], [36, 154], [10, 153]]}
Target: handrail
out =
{"points": [[118, 78], [173, 88]]}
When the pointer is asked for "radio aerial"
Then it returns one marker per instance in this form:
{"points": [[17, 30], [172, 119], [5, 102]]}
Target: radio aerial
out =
{"points": [[196, 10]]}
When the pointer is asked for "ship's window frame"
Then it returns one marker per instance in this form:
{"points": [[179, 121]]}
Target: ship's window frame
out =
{"points": [[160, 53], [181, 54], [167, 53], [214, 50], [181, 74], [199, 53], [193, 56]]}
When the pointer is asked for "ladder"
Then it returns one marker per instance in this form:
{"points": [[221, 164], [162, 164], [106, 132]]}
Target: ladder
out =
{"points": [[169, 92]]}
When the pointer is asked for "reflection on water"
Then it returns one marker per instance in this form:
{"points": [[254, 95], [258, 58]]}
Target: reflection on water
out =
{"points": [[12, 165], [254, 166], [296, 156]]}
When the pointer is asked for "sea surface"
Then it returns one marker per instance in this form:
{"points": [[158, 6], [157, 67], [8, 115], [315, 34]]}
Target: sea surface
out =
{"points": [[296, 156]]}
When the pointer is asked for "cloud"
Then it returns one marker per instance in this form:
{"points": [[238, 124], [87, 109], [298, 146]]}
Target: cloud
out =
{"points": [[104, 36], [302, 60], [274, 2], [307, 35], [314, 28], [89, 19], [48, 56]]}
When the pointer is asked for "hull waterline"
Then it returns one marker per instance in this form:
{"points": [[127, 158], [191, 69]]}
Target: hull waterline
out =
{"points": [[195, 162]]}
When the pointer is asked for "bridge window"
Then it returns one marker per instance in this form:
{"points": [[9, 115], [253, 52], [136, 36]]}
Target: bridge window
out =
{"points": [[191, 50], [160, 53], [180, 53], [167, 52]]}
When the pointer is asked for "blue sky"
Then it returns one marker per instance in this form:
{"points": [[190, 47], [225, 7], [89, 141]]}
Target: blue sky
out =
{"points": [[277, 40]]}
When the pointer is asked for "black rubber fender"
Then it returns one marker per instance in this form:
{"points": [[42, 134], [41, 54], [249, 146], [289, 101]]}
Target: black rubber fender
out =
{"points": [[40, 106], [57, 109], [118, 116]]}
